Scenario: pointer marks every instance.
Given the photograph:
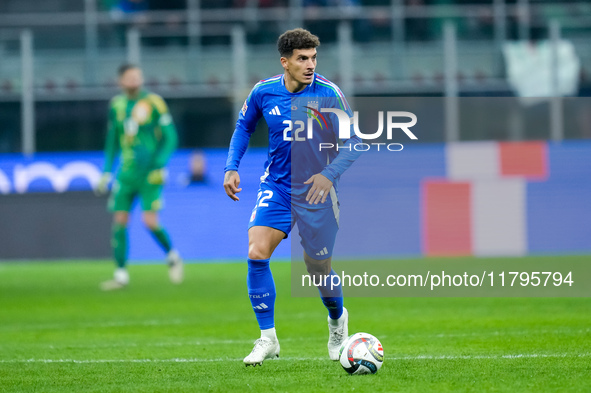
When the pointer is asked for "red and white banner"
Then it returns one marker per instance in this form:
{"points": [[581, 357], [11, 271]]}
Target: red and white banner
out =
{"points": [[480, 207]]}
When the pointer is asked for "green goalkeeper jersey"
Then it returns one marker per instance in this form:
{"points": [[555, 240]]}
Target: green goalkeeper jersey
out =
{"points": [[142, 129]]}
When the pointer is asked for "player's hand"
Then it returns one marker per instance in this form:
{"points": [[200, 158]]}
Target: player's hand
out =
{"points": [[231, 183], [102, 186], [157, 177], [320, 188]]}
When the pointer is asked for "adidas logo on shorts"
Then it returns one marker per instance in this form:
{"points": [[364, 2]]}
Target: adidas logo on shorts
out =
{"points": [[322, 252]]}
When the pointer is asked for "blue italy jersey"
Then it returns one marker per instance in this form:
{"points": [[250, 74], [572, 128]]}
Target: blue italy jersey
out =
{"points": [[297, 128]]}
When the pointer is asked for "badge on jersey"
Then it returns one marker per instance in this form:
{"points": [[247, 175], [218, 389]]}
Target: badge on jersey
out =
{"points": [[130, 127], [141, 112], [312, 105]]}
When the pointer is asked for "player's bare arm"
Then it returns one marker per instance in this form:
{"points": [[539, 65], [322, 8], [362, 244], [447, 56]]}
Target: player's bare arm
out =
{"points": [[231, 183], [320, 188]]}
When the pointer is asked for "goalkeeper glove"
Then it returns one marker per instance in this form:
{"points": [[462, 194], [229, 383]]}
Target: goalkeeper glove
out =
{"points": [[103, 185], [157, 177]]}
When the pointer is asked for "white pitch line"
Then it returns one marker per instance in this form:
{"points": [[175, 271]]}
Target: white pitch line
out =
{"points": [[156, 344], [196, 360], [198, 342], [94, 325], [152, 344], [249, 341], [502, 333], [178, 321], [492, 357]]}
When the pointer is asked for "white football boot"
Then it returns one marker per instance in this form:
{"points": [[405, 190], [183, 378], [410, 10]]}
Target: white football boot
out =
{"points": [[338, 332], [175, 267], [264, 348], [119, 281]]}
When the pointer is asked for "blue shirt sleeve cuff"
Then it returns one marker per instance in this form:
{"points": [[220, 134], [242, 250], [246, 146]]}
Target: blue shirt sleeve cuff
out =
{"points": [[326, 172]]}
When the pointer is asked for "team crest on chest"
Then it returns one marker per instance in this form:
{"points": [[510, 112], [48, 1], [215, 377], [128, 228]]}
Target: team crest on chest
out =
{"points": [[312, 105], [141, 112]]}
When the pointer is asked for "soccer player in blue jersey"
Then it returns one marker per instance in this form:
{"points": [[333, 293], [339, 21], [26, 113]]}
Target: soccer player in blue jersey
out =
{"points": [[298, 186]]}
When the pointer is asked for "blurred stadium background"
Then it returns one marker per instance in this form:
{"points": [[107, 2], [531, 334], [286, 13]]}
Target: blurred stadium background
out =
{"points": [[58, 71]]}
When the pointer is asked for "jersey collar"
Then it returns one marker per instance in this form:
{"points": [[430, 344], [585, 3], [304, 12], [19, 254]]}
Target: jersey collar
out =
{"points": [[141, 95]]}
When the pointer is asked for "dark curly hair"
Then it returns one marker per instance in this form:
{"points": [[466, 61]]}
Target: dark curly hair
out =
{"points": [[123, 68], [296, 39]]}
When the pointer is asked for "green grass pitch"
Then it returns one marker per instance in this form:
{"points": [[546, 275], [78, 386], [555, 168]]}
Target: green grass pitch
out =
{"points": [[59, 333]]}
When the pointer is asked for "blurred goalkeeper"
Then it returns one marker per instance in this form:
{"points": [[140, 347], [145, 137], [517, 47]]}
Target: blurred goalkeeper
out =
{"points": [[141, 127]]}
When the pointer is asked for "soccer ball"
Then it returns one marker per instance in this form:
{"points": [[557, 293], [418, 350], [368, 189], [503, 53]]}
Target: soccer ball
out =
{"points": [[361, 353]]}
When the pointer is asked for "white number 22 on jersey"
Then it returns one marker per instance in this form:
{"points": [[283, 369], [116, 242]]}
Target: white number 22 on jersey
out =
{"points": [[300, 126], [263, 196]]}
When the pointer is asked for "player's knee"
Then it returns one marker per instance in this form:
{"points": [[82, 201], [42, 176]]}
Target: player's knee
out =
{"points": [[318, 267], [315, 270], [150, 221], [120, 218], [259, 251], [150, 225]]}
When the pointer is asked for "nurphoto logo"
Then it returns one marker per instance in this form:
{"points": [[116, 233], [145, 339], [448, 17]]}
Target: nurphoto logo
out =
{"points": [[300, 131], [345, 123]]}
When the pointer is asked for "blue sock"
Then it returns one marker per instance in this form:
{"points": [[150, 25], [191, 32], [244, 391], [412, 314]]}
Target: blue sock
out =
{"points": [[332, 298], [261, 291]]}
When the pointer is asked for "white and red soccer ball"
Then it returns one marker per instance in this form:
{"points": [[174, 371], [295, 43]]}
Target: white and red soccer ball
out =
{"points": [[361, 353]]}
